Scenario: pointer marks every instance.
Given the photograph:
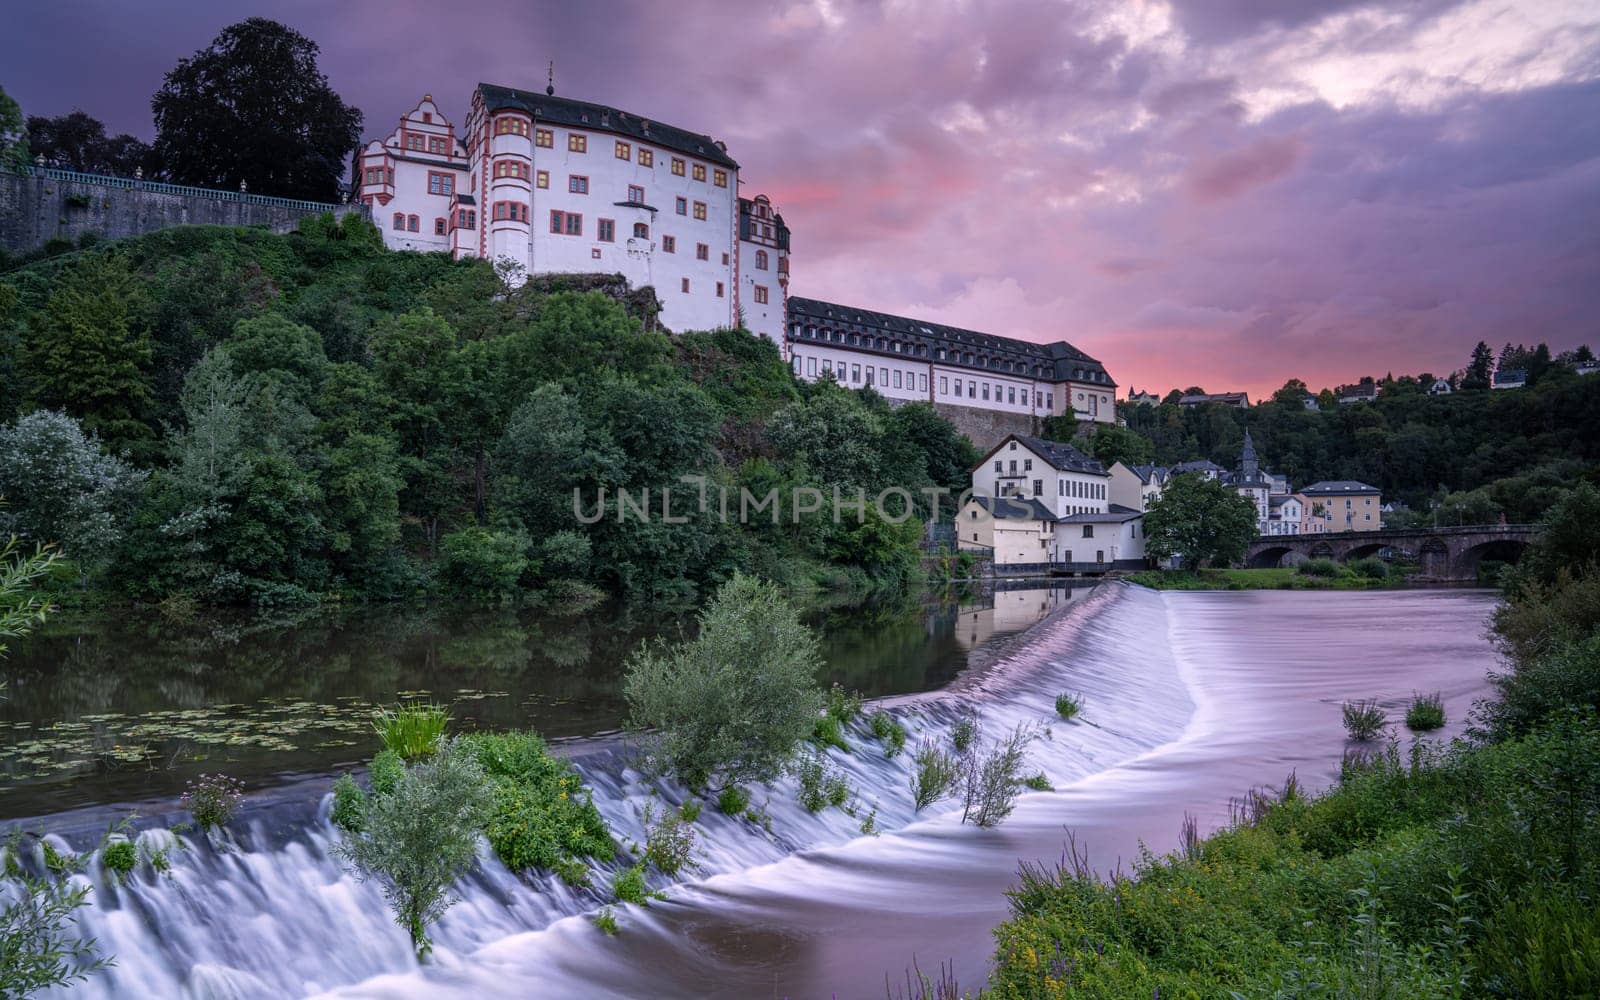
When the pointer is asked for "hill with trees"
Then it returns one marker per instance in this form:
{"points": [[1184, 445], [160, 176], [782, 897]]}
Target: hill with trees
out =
{"points": [[209, 415]]}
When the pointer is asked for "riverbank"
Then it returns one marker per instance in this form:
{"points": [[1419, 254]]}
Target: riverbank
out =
{"points": [[1274, 578]]}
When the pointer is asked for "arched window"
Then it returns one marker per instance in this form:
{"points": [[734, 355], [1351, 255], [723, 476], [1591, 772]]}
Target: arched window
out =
{"points": [[400, 220], [641, 231], [438, 227]]}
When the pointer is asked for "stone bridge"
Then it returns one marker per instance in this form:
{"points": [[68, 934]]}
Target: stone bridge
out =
{"points": [[1445, 554]]}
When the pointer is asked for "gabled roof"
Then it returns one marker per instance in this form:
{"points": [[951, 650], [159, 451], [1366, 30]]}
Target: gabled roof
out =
{"points": [[1055, 362], [1060, 455], [1202, 465], [1146, 473], [566, 112], [1015, 508], [1337, 487]]}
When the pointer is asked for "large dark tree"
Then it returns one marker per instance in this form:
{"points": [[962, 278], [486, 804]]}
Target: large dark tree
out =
{"points": [[13, 137], [253, 107], [1200, 520], [78, 142], [1480, 369]]}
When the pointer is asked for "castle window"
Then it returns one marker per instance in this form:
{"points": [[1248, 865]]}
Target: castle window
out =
{"points": [[677, 166], [682, 206], [512, 211], [685, 286], [543, 179], [577, 143], [578, 184], [720, 178], [669, 244], [702, 252], [544, 138], [439, 145], [641, 231], [624, 151], [400, 220], [761, 295], [700, 172], [441, 183], [605, 230], [647, 158], [719, 289], [511, 168], [636, 194], [438, 226], [510, 125], [566, 223], [700, 210], [413, 224], [466, 218], [414, 142], [761, 260]]}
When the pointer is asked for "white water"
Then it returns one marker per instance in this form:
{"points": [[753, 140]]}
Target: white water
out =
{"points": [[278, 917]]}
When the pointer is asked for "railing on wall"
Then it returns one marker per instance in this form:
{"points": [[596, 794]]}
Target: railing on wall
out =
{"points": [[135, 183]]}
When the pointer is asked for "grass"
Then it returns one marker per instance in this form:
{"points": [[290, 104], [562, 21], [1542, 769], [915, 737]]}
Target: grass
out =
{"points": [[1424, 873], [1274, 578], [412, 731], [892, 734], [963, 733], [936, 773], [828, 732], [629, 887], [1426, 713], [119, 856], [1364, 720], [1068, 705], [1038, 782]]}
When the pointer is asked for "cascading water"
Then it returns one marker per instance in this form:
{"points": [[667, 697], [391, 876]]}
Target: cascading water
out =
{"points": [[275, 915]]}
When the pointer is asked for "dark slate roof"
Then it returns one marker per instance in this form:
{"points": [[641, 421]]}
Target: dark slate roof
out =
{"points": [[813, 319], [1016, 509], [1511, 375], [1117, 514], [465, 199], [1203, 465], [1214, 397], [1060, 455], [1337, 487], [566, 112], [1147, 472], [1279, 499]]}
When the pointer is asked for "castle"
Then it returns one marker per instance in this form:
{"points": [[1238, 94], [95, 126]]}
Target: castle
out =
{"points": [[538, 183]]}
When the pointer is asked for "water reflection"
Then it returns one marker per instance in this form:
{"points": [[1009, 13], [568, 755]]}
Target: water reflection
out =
{"points": [[123, 707]]}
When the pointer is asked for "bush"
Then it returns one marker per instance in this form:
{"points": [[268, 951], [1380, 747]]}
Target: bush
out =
{"points": [[826, 732], [411, 731], [820, 784], [1543, 685], [963, 733], [936, 773], [668, 842], [572, 871], [733, 800], [606, 920], [213, 799], [349, 804], [689, 810], [1364, 720], [1545, 944], [482, 563], [1068, 705], [843, 705], [1039, 782], [540, 811], [1319, 567], [421, 836], [1371, 568], [387, 767], [990, 781], [629, 887], [892, 733], [731, 705], [1426, 713], [119, 856]]}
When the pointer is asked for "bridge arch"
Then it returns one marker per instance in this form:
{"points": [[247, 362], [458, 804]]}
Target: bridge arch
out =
{"points": [[1270, 557], [1321, 550], [1355, 552], [1434, 557], [1507, 550]]}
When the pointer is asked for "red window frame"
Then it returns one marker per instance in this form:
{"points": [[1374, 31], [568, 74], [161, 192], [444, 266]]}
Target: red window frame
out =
{"points": [[575, 182], [605, 230], [669, 244], [702, 252]]}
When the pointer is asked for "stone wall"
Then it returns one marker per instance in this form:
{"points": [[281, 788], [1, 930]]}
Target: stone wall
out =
{"points": [[987, 428], [43, 205]]}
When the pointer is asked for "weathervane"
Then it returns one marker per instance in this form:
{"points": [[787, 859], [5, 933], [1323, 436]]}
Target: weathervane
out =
{"points": [[550, 80]]}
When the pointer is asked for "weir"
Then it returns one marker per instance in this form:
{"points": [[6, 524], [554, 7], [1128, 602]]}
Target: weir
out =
{"points": [[1170, 684]]}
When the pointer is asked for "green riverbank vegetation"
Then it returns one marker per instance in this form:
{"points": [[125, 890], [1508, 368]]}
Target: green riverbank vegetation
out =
{"points": [[214, 416], [1429, 870]]}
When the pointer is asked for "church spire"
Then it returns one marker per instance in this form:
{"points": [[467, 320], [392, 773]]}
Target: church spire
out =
{"points": [[1248, 466]]}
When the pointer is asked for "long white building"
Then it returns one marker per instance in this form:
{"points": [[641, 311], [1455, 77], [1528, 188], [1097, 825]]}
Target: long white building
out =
{"points": [[543, 184]]}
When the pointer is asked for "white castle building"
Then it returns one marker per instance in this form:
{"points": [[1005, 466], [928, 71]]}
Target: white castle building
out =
{"points": [[544, 184]]}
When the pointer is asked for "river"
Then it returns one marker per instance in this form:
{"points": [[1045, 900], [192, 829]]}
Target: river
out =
{"points": [[1190, 699]]}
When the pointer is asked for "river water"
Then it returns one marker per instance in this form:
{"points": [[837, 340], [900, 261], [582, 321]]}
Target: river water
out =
{"points": [[1190, 699]]}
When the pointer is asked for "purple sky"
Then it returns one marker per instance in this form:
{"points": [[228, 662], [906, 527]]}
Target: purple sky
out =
{"points": [[1225, 193]]}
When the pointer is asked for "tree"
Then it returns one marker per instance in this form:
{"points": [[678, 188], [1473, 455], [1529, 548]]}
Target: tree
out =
{"points": [[67, 491], [1112, 444], [1200, 520], [1480, 370], [13, 133], [420, 836], [1059, 427], [253, 107], [1570, 541], [731, 704], [78, 142], [87, 352], [20, 607], [947, 455], [1293, 393]]}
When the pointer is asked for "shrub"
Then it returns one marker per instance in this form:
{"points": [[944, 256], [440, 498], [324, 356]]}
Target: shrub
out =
{"points": [[1544, 944], [349, 804], [963, 733], [990, 781], [606, 920], [936, 773], [483, 563], [732, 704], [1319, 567], [843, 705], [1426, 713], [540, 811], [387, 767], [213, 799], [820, 784], [1364, 720], [411, 731], [892, 733], [732, 800], [39, 945], [1543, 685], [668, 842], [827, 733], [689, 810], [628, 886], [1039, 782], [119, 856], [1068, 705], [572, 871], [421, 836], [1371, 568]]}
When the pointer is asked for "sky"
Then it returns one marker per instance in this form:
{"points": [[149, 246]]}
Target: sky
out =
{"points": [[1222, 193]]}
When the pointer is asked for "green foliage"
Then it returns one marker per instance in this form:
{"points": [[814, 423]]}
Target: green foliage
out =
{"points": [[1068, 705], [887, 729], [21, 606], [937, 771], [13, 136], [821, 784], [572, 871], [420, 836], [1364, 720], [629, 886], [1569, 541], [349, 804], [606, 920], [843, 706], [827, 732], [39, 946], [120, 856], [963, 733], [989, 781], [412, 731], [733, 800], [668, 841], [1371, 567], [213, 800], [1039, 782], [1200, 520], [689, 810], [1059, 427], [387, 769], [1543, 944], [732, 704], [1425, 713], [540, 812], [1319, 567], [1112, 444], [480, 562]]}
